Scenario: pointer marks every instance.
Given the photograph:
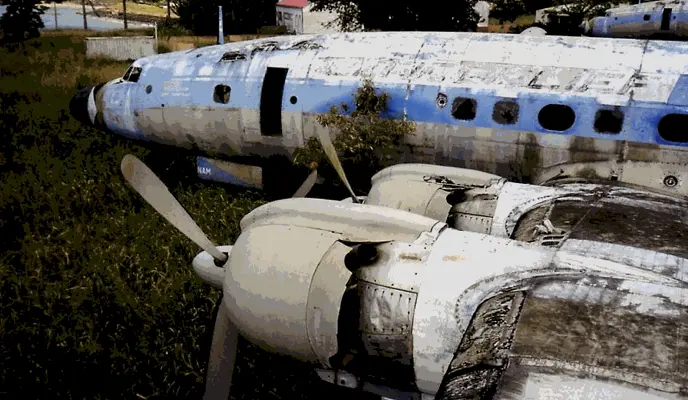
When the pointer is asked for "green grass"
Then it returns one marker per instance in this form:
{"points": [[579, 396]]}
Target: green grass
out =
{"points": [[97, 295]]}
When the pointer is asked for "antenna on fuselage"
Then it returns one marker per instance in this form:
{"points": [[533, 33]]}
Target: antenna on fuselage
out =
{"points": [[220, 31]]}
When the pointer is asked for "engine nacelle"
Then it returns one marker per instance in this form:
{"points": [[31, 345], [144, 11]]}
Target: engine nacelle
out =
{"points": [[420, 189], [283, 300], [392, 310], [465, 199], [286, 274]]}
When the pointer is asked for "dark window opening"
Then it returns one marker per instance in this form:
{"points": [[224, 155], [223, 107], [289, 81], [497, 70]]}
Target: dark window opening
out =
{"points": [[556, 117], [666, 18], [646, 17], [609, 121], [271, 101], [505, 112], [133, 74], [126, 74], [674, 128], [221, 94], [233, 56], [293, 99], [464, 108]]}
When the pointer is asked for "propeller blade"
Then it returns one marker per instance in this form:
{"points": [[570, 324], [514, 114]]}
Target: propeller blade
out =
{"points": [[151, 188], [307, 185], [331, 153], [223, 353]]}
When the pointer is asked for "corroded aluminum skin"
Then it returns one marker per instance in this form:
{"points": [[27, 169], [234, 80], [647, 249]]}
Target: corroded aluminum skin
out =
{"points": [[286, 275], [172, 102]]}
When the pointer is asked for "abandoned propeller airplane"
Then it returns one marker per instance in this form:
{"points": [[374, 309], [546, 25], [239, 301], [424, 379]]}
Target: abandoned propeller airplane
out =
{"points": [[451, 283], [664, 19], [526, 108]]}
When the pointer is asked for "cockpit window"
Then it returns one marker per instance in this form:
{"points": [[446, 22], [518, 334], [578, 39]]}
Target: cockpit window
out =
{"points": [[132, 74], [126, 74]]}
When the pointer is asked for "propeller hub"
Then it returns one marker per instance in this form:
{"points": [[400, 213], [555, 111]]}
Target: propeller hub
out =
{"points": [[81, 104]]}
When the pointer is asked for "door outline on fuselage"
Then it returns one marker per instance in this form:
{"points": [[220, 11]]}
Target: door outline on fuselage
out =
{"points": [[666, 19], [271, 98]]}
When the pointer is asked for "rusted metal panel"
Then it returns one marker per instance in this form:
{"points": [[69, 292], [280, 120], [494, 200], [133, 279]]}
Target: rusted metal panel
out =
{"points": [[386, 322], [606, 341], [121, 48]]}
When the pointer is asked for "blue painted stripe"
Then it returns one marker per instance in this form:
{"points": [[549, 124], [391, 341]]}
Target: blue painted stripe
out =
{"points": [[640, 118], [679, 95], [207, 171]]}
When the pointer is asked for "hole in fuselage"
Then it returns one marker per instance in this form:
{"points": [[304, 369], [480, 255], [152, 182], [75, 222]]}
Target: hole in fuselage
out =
{"points": [[556, 117], [505, 112], [673, 128], [609, 121], [464, 108], [221, 94]]}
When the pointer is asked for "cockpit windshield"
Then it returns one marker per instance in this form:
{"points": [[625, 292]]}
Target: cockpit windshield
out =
{"points": [[132, 74]]}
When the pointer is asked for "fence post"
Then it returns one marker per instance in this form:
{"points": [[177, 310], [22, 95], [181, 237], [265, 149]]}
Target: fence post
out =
{"points": [[220, 33], [83, 9]]}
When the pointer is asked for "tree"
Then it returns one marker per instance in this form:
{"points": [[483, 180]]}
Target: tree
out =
{"points": [[367, 140], [400, 15], [21, 20], [239, 16], [508, 10]]}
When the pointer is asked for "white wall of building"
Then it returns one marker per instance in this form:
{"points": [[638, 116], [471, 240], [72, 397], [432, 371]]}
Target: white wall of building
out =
{"points": [[290, 17]]}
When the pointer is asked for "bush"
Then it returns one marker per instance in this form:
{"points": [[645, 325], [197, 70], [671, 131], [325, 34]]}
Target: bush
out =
{"points": [[366, 140], [163, 48], [170, 28], [272, 30]]}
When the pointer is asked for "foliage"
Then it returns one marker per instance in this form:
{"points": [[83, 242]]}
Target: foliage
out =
{"points": [[95, 287], [171, 27], [272, 30], [407, 15], [163, 48], [21, 20], [367, 141], [239, 16]]}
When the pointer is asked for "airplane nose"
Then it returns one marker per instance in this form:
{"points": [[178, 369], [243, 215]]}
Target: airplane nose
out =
{"points": [[78, 106]]}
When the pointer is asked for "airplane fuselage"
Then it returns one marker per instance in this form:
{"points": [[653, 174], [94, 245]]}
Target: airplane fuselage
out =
{"points": [[651, 19], [526, 108]]}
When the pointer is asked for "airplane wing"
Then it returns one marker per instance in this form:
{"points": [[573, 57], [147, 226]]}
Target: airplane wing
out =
{"points": [[569, 339]]}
